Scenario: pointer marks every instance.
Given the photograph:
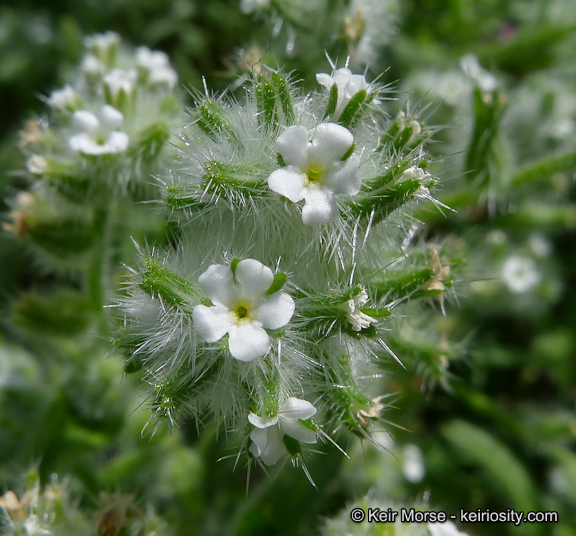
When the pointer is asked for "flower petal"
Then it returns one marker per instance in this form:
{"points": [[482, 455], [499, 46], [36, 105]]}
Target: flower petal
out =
{"points": [[212, 323], [218, 285], [269, 446], [262, 422], [82, 143], [248, 341], [346, 177], [330, 142], [296, 408], [298, 431], [85, 121], [320, 207], [342, 76], [293, 145], [289, 182], [275, 311], [253, 278], [110, 117], [259, 437], [117, 142], [324, 79]]}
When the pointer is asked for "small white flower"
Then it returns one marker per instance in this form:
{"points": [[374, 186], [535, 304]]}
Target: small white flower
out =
{"points": [[241, 309], [520, 274], [470, 66], [357, 318], [91, 65], [540, 245], [63, 99], [267, 436], [348, 85], [118, 80], [102, 42], [98, 135], [414, 172], [37, 164], [158, 66], [248, 6], [315, 171], [32, 527], [444, 529], [413, 464]]}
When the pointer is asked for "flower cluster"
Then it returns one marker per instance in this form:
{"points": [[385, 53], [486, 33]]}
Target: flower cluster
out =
{"points": [[267, 303], [119, 106]]}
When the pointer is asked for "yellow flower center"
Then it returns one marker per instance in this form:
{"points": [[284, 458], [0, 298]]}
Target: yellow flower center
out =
{"points": [[314, 174], [242, 312]]}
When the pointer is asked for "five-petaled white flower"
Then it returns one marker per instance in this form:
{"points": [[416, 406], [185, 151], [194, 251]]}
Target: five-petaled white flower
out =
{"points": [[242, 308], [118, 80], [63, 99], [267, 436], [348, 85], [315, 170], [98, 135], [157, 64]]}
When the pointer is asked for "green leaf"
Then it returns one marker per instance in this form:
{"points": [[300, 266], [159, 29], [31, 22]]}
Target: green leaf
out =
{"points": [[332, 101], [355, 109], [266, 102], [507, 473], [161, 283], [283, 92], [211, 118], [277, 284]]}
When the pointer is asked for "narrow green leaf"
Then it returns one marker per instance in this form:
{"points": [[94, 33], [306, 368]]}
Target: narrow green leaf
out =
{"points": [[161, 283], [332, 101], [211, 118], [277, 284], [355, 109], [266, 102], [509, 476], [283, 92]]}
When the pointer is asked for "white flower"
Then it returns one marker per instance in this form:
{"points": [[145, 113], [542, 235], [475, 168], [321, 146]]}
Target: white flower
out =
{"points": [[417, 173], [486, 81], [91, 65], [540, 245], [37, 164], [357, 318], [423, 178], [98, 135], [315, 171], [32, 527], [444, 529], [242, 308], [158, 66], [63, 99], [248, 6], [102, 42], [520, 274], [413, 464], [348, 85], [267, 436], [118, 80]]}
